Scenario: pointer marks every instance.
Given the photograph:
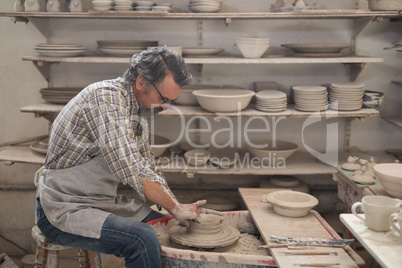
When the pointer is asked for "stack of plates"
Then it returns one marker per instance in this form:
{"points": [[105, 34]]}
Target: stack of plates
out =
{"points": [[59, 95], [102, 5], [60, 50], [205, 6], [346, 96], [123, 5], [124, 48], [271, 100], [310, 98]]}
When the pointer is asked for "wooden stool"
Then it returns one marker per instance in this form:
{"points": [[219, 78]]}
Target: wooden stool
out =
{"points": [[48, 253]]}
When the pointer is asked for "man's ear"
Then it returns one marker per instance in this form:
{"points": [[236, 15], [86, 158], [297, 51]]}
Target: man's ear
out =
{"points": [[140, 84]]}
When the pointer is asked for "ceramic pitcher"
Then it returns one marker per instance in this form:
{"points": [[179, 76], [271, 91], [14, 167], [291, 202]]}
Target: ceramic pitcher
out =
{"points": [[32, 5], [19, 6], [75, 6], [53, 6]]}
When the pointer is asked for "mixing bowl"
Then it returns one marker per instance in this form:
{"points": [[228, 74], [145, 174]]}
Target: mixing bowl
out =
{"points": [[291, 203], [267, 149], [390, 177], [223, 100], [159, 145]]}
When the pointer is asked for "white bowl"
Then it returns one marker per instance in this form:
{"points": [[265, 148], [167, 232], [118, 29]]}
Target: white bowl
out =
{"points": [[268, 149], [252, 49], [159, 145], [390, 177], [144, 3], [291, 203], [197, 157], [223, 100], [186, 96]]}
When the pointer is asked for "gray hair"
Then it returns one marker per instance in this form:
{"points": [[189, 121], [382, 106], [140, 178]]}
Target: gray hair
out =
{"points": [[154, 64]]}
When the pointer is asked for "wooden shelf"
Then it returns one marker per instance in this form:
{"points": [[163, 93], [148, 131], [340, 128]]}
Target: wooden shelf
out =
{"points": [[43, 109], [300, 163], [302, 14], [41, 61]]}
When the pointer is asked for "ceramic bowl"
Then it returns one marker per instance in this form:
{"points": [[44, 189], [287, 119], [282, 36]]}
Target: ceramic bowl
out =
{"points": [[144, 3], [268, 149], [291, 203], [186, 96], [197, 157], [223, 100], [390, 177], [252, 48], [159, 145], [372, 99]]}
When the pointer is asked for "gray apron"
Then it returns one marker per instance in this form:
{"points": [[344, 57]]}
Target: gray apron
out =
{"points": [[79, 199]]}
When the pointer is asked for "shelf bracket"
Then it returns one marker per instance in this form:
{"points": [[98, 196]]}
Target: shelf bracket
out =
{"points": [[19, 19], [356, 69], [228, 21], [44, 68]]}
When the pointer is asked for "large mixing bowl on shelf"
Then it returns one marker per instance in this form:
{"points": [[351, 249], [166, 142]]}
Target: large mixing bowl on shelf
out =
{"points": [[390, 177], [224, 100]]}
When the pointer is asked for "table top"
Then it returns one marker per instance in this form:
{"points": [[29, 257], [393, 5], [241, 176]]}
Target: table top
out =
{"points": [[385, 247], [268, 222]]}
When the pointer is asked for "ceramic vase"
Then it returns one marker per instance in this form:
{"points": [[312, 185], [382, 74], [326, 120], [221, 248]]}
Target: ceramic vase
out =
{"points": [[19, 6], [32, 5], [75, 6], [53, 6]]}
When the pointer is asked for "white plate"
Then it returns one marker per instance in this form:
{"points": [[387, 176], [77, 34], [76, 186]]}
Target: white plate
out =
{"points": [[120, 52], [127, 43], [61, 53], [317, 48], [271, 94], [201, 51]]}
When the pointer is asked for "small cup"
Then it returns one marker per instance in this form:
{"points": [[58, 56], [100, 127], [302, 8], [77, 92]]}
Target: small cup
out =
{"points": [[395, 220], [377, 210]]}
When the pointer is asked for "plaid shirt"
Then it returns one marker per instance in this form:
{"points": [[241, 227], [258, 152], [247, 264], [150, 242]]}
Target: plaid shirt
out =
{"points": [[104, 119]]}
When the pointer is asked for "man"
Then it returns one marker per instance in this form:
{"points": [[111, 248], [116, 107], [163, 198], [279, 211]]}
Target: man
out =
{"points": [[101, 139]]}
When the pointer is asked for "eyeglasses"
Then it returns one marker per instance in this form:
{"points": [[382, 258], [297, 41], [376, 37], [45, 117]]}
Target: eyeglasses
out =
{"points": [[165, 100]]}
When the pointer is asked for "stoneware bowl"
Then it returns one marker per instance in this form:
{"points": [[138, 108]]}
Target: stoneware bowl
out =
{"points": [[372, 99], [390, 177], [291, 203], [268, 149], [252, 48], [197, 157], [159, 145], [186, 96], [223, 100]]}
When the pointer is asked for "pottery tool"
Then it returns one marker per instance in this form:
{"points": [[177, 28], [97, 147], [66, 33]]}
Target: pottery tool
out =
{"points": [[317, 264], [301, 241], [310, 253]]}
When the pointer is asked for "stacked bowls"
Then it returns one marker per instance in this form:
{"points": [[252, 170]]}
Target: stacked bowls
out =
{"points": [[346, 96], [310, 98], [252, 47], [102, 5], [271, 101], [143, 5], [123, 5], [124, 48], [205, 6]]}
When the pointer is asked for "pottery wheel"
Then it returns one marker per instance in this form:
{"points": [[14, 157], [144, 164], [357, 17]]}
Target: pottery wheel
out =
{"points": [[228, 236]]}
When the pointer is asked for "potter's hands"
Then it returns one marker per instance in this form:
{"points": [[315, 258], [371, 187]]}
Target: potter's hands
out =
{"points": [[184, 213]]}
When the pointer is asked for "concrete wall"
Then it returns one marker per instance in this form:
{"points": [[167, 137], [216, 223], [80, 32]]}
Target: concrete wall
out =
{"points": [[20, 82]]}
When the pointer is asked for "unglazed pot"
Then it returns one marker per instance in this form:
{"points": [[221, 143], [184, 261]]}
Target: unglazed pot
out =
{"points": [[53, 6], [19, 6]]}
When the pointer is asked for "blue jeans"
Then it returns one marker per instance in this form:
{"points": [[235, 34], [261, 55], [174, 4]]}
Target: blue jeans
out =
{"points": [[136, 241]]}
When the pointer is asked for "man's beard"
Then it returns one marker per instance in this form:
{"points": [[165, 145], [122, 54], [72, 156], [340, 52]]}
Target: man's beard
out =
{"points": [[149, 113]]}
